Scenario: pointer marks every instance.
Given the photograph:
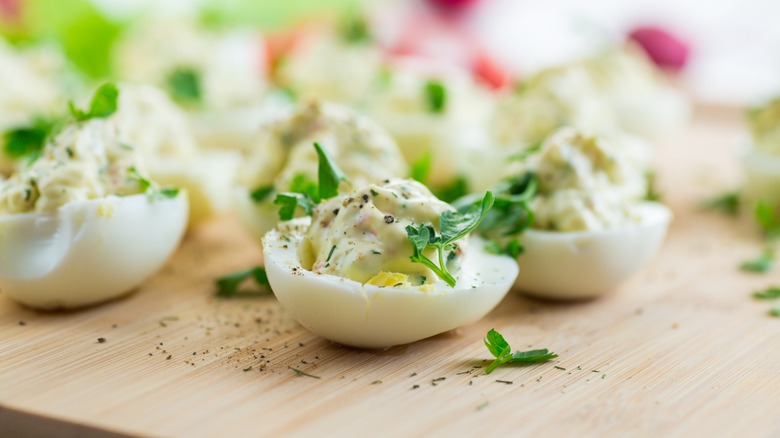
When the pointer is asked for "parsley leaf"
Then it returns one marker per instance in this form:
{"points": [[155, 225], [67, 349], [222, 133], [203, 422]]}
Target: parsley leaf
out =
{"points": [[302, 184], [290, 201], [329, 174], [501, 350], [28, 140], [726, 203], [457, 189], [525, 153], [770, 293], [184, 85], [145, 185], [767, 219], [304, 193], [761, 264], [435, 96], [355, 30], [454, 225], [513, 248], [421, 168], [510, 216], [103, 104], [652, 193], [229, 285], [259, 194]]}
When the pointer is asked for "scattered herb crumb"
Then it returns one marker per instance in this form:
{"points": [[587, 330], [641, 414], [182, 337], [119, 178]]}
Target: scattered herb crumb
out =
{"points": [[415, 386], [303, 373], [249, 368], [376, 382], [101, 340], [560, 368], [482, 405], [436, 381], [22, 323], [508, 382]]}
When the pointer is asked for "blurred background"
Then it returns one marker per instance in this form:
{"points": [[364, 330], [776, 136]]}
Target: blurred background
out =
{"points": [[731, 47]]}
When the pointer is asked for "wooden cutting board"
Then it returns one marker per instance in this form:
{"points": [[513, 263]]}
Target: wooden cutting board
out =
{"points": [[680, 349]]}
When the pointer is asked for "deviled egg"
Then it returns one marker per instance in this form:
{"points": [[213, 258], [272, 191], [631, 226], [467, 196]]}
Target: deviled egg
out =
{"points": [[82, 223], [354, 272], [218, 76], [761, 161], [282, 158], [643, 101], [436, 110], [336, 65], [590, 228]]}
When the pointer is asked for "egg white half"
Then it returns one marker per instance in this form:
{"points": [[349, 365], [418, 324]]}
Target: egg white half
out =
{"points": [[367, 316], [89, 251], [586, 264]]}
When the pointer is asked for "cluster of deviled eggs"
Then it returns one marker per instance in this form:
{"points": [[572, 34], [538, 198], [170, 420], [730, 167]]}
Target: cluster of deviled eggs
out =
{"points": [[550, 176]]}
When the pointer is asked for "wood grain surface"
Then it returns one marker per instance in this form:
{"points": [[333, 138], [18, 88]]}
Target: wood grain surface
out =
{"points": [[681, 349]]}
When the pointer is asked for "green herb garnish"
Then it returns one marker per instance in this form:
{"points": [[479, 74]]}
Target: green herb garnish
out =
{"points": [[454, 225], [525, 153], [775, 311], [435, 96], [304, 373], [289, 202], [652, 193], [455, 190], [260, 194], [510, 216], [329, 175], [229, 285], [513, 248], [28, 140], [421, 168], [770, 293], [767, 219], [761, 264], [184, 85], [305, 194], [145, 185], [726, 203], [103, 104], [355, 29], [501, 350]]}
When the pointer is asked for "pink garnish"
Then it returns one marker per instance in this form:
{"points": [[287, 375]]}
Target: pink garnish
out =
{"points": [[452, 5], [664, 48]]}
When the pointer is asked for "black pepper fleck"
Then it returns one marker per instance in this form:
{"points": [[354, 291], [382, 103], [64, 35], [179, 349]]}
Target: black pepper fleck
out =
{"points": [[389, 219], [365, 198], [101, 340]]}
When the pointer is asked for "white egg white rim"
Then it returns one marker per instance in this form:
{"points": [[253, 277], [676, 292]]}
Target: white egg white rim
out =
{"points": [[466, 281], [651, 214]]}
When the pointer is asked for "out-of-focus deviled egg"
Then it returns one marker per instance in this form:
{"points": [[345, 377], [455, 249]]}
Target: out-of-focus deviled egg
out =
{"points": [[590, 227], [33, 84], [150, 121], [643, 101], [340, 64], [761, 161], [282, 158], [387, 264], [219, 76], [82, 223], [439, 111]]}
